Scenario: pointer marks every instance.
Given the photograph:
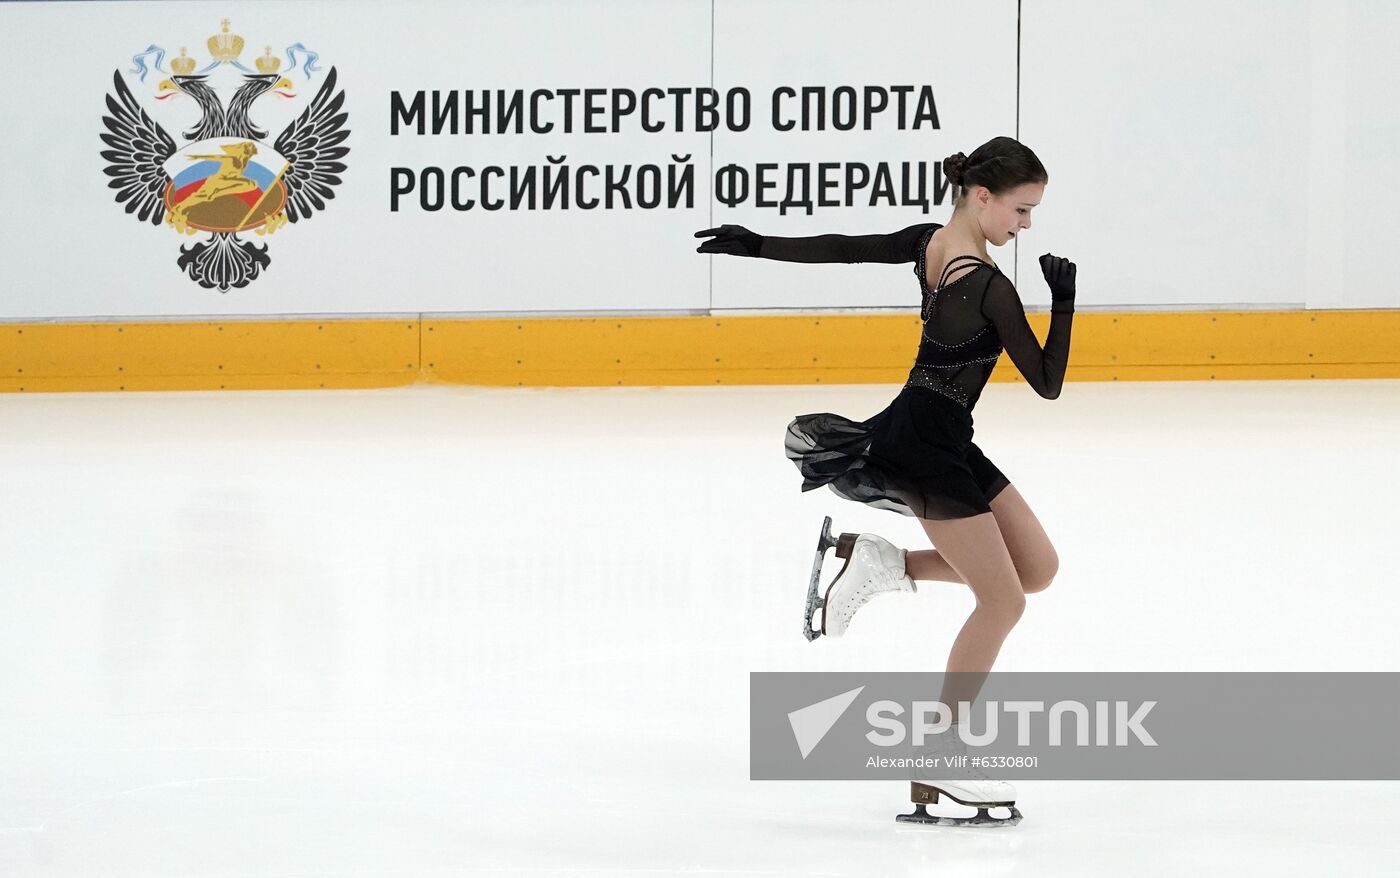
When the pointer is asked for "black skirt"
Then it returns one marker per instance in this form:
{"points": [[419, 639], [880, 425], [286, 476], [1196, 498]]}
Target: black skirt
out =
{"points": [[916, 457]]}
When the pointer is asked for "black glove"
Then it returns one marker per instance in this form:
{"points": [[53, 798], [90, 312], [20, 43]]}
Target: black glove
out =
{"points": [[731, 239], [1059, 274]]}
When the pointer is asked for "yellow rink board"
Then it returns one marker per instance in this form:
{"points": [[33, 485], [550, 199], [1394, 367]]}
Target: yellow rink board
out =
{"points": [[829, 348]]}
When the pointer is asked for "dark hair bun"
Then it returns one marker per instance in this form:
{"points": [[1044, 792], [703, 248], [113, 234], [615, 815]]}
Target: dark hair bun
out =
{"points": [[1003, 163], [955, 168]]}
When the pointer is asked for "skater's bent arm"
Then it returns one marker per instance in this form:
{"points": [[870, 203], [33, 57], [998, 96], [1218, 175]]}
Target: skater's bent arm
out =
{"points": [[895, 247], [1043, 368]]}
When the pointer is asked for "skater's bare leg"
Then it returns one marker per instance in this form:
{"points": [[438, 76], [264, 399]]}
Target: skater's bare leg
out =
{"points": [[974, 547], [928, 565], [1032, 553], [1031, 550]]}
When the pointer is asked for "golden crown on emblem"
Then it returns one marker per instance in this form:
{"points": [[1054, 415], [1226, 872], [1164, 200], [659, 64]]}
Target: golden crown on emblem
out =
{"points": [[267, 63], [225, 46], [183, 65]]}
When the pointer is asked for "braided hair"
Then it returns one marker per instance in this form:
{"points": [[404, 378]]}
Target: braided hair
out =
{"points": [[1001, 164]]}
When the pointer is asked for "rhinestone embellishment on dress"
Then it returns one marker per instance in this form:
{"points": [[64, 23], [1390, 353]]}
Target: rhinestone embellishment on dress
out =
{"points": [[927, 376], [930, 297], [941, 377]]}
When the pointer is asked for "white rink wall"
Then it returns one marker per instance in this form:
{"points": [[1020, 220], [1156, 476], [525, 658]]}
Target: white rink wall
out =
{"points": [[1201, 154]]}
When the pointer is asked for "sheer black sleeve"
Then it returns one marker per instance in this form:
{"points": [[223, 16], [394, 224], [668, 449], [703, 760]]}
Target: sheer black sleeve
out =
{"points": [[1043, 369], [896, 247]]}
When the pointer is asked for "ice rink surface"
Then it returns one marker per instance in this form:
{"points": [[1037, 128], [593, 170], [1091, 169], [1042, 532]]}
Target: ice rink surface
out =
{"points": [[442, 631]]}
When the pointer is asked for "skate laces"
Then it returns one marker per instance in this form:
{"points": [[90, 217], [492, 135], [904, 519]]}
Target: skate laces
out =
{"points": [[949, 747], [958, 747], [879, 579]]}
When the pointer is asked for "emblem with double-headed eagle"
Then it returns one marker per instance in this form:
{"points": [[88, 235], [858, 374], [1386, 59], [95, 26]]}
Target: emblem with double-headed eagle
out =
{"points": [[226, 179]]}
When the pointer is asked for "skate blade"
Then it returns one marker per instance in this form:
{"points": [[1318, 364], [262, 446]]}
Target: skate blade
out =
{"points": [[922, 817], [814, 600], [843, 543]]}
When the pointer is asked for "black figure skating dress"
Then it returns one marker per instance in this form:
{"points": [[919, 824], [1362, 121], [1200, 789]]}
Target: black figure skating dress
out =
{"points": [[917, 456]]}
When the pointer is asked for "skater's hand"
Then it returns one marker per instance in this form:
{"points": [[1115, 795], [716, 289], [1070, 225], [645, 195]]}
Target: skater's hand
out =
{"points": [[1059, 274], [731, 239]]}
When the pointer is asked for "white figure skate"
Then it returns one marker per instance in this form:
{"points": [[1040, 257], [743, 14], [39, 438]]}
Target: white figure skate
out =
{"points": [[873, 566], [972, 787]]}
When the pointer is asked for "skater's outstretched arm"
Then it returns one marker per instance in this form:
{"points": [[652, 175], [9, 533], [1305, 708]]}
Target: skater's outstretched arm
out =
{"points": [[1043, 368], [892, 248]]}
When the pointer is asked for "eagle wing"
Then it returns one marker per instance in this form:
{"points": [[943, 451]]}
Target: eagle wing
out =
{"points": [[312, 144], [139, 149]]}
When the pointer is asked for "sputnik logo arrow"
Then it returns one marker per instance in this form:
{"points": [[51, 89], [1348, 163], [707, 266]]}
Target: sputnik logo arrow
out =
{"points": [[811, 723]]}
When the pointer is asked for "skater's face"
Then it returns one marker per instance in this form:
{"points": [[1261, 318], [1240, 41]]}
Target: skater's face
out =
{"points": [[1004, 216]]}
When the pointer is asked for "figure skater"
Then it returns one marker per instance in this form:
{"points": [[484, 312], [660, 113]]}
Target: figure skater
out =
{"points": [[917, 457]]}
